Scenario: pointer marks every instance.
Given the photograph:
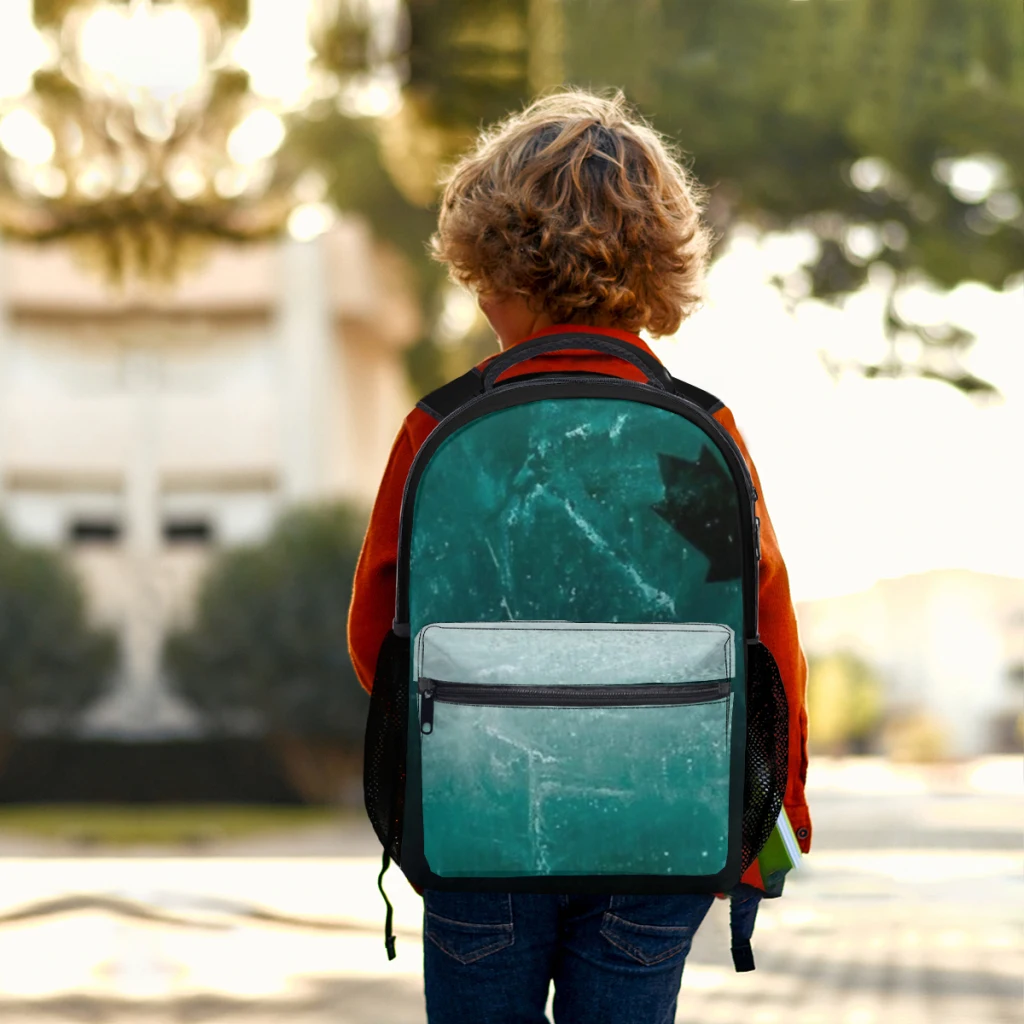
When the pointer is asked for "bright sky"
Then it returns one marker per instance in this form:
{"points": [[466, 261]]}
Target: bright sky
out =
{"points": [[21, 49], [864, 480]]}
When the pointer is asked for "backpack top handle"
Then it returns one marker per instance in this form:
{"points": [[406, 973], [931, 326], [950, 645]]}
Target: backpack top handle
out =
{"points": [[653, 370]]}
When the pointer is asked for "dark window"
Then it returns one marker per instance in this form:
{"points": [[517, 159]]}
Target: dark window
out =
{"points": [[188, 531], [94, 530]]}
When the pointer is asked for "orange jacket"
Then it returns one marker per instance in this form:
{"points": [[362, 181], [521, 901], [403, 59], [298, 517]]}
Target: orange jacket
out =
{"points": [[373, 594]]}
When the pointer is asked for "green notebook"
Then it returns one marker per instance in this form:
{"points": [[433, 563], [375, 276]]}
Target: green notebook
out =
{"points": [[781, 852]]}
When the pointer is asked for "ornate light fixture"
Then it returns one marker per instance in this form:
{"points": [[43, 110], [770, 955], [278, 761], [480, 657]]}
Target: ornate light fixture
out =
{"points": [[141, 131]]}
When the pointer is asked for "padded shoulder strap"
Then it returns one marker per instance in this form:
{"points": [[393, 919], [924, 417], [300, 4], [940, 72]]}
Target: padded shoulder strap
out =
{"points": [[448, 397], [704, 399]]}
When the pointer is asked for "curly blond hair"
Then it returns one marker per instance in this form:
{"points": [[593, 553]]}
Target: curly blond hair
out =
{"points": [[578, 205]]}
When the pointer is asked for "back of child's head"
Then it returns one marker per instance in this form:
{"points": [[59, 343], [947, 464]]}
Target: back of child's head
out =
{"points": [[578, 205]]}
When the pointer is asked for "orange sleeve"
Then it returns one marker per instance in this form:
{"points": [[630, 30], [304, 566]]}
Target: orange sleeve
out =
{"points": [[778, 629], [373, 588]]}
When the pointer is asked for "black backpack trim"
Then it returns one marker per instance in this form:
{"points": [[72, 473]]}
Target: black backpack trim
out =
{"points": [[707, 401], [443, 401]]}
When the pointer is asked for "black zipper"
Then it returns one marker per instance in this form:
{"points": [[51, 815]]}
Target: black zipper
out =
{"points": [[511, 696]]}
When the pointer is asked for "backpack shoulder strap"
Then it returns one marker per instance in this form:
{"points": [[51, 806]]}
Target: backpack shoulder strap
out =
{"points": [[707, 401], [448, 397]]}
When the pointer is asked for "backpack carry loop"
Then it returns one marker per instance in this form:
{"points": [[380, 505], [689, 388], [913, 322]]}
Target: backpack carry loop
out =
{"points": [[655, 372]]}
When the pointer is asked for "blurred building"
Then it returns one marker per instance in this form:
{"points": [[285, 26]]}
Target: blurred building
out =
{"points": [[949, 643], [142, 431]]}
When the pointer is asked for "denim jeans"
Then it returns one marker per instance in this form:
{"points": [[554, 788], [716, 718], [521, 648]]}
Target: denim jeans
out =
{"points": [[489, 957]]}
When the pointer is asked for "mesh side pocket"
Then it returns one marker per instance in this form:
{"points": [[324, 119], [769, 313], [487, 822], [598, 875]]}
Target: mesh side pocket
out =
{"points": [[767, 756], [384, 752]]}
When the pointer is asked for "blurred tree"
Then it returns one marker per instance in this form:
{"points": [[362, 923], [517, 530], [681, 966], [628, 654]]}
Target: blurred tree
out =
{"points": [[912, 734], [467, 63], [267, 649], [50, 13], [52, 663], [349, 154], [844, 704], [889, 128]]}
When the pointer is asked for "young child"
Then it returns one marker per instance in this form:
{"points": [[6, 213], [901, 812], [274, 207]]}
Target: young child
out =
{"points": [[573, 212]]}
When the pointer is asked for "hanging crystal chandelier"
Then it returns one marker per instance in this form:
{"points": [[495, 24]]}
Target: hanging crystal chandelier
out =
{"points": [[141, 131]]}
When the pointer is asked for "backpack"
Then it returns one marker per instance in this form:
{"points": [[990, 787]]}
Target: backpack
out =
{"points": [[573, 697]]}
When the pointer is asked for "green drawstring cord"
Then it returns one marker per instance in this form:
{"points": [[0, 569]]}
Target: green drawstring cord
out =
{"points": [[389, 935]]}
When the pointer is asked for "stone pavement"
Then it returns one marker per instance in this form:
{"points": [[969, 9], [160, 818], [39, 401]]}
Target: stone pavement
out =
{"points": [[908, 912]]}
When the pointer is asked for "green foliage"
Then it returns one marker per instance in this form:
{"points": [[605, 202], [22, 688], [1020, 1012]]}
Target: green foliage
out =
{"points": [[52, 663], [821, 114], [777, 101], [269, 639], [188, 825], [49, 13], [469, 63], [350, 156], [469, 59], [844, 703]]}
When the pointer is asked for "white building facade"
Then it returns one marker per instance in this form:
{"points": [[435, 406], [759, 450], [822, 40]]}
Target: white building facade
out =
{"points": [[141, 432]]}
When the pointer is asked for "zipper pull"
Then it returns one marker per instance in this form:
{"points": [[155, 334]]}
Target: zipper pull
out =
{"points": [[427, 712]]}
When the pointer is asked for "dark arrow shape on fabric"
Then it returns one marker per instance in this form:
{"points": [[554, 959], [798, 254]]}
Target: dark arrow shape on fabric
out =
{"points": [[699, 504]]}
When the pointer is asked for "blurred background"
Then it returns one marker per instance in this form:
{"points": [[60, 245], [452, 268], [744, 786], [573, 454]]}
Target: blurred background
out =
{"points": [[215, 309]]}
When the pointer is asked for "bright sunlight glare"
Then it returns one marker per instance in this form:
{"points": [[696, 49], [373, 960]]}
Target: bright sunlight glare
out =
{"points": [[25, 137], [256, 137], [971, 179], [158, 51], [274, 50], [851, 468], [309, 221], [22, 49]]}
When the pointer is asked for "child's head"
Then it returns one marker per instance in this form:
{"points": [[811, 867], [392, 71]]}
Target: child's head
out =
{"points": [[581, 209]]}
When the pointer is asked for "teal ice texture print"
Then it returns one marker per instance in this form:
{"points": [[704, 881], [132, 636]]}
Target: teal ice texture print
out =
{"points": [[577, 791], [586, 510], [561, 790]]}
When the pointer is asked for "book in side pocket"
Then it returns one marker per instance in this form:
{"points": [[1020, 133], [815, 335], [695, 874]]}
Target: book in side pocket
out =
{"points": [[781, 852]]}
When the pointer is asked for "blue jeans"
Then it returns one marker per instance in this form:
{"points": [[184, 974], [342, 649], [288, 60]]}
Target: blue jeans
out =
{"points": [[489, 957]]}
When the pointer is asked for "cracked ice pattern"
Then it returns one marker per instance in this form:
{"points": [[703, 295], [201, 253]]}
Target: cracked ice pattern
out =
{"points": [[543, 512], [574, 654], [534, 791]]}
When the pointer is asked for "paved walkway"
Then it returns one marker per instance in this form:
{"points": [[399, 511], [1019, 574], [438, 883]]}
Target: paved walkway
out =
{"points": [[908, 912]]}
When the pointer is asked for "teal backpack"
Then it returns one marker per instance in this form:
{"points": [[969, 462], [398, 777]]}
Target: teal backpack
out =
{"points": [[573, 697]]}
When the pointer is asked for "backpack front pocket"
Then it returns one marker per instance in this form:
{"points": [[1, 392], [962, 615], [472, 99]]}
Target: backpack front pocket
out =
{"points": [[560, 748]]}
